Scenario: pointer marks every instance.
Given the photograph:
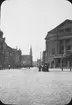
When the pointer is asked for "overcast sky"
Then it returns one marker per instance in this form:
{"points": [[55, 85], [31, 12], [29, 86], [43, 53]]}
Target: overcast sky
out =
{"points": [[26, 22]]}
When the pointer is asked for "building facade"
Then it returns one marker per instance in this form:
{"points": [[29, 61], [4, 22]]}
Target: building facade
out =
{"points": [[12, 57], [59, 44], [39, 62], [44, 57], [27, 60], [2, 57], [8, 55], [17, 57]]}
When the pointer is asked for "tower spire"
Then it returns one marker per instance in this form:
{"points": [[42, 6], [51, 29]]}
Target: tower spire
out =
{"points": [[31, 57], [31, 50]]}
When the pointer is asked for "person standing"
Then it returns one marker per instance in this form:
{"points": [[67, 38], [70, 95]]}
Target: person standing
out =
{"points": [[48, 67], [9, 66], [45, 67]]}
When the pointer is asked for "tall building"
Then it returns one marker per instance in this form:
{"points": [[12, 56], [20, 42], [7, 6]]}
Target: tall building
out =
{"points": [[2, 57], [59, 44]]}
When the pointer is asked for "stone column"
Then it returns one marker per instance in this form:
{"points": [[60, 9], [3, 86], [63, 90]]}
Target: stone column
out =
{"points": [[68, 64], [64, 47], [54, 63]]}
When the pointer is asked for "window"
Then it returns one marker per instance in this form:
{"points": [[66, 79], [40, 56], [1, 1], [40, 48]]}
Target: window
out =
{"points": [[53, 50], [67, 29], [61, 30], [68, 47], [61, 49]]}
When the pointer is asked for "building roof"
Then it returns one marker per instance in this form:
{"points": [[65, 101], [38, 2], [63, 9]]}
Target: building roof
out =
{"points": [[60, 25], [25, 57], [9, 48], [63, 23]]}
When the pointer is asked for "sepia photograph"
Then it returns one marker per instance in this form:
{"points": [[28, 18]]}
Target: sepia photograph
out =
{"points": [[36, 52]]}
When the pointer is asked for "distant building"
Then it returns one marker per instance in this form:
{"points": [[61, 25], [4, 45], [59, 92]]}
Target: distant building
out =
{"points": [[39, 62], [27, 60], [34, 63], [17, 57], [44, 57], [31, 57], [59, 44]]}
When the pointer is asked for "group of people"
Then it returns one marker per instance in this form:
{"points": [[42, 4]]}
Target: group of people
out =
{"points": [[44, 67]]}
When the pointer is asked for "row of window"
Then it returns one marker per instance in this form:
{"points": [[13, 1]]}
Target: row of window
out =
{"points": [[61, 49], [65, 30], [68, 47]]}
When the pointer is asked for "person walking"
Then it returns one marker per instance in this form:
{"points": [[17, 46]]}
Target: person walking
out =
{"points": [[40, 67]]}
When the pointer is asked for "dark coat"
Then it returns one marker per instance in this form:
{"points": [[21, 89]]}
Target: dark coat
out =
{"points": [[40, 67], [45, 68]]}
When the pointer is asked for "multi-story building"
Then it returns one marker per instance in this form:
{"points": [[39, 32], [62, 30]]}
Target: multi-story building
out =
{"points": [[2, 41], [12, 57], [59, 44], [8, 55], [8, 52]]}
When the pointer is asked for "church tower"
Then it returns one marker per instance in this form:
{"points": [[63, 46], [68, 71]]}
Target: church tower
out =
{"points": [[31, 57]]}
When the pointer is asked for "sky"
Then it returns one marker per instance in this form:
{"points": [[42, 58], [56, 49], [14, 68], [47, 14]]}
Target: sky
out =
{"points": [[25, 23]]}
